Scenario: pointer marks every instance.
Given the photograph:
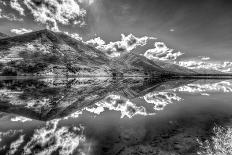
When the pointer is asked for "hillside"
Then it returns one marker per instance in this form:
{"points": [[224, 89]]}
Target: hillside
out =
{"points": [[47, 53]]}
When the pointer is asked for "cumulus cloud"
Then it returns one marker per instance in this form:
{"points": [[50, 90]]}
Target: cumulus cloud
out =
{"points": [[20, 119], [207, 65], [20, 31], [204, 58], [162, 52], [115, 49], [74, 35], [48, 12], [118, 103], [15, 5], [96, 42], [161, 99], [62, 140], [52, 12], [222, 86]]}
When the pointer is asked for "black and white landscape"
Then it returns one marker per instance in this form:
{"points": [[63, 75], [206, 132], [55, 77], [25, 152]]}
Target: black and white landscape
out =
{"points": [[70, 85]]}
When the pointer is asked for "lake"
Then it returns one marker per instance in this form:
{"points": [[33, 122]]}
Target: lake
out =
{"points": [[115, 116]]}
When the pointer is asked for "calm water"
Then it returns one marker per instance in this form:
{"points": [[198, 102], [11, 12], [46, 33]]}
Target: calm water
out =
{"points": [[115, 116]]}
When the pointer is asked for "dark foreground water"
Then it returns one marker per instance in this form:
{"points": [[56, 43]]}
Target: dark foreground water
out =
{"points": [[115, 116]]}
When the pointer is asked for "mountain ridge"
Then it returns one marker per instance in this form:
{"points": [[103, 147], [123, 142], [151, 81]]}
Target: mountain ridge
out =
{"points": [[45, 53]]}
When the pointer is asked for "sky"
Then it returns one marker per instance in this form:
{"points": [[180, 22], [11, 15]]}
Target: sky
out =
{"points": [[194, 27]]}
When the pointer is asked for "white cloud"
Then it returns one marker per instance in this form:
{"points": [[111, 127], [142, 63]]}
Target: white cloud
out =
{"points": [[222, 86], [162, 52], [161, 99], [96, 42], [118, 103], [15, 5], [115, 49], [64, 140], [21, 119], [204, 58], [52, 12], [74, 35], [171, 30], [20, 31], [207, 65]]}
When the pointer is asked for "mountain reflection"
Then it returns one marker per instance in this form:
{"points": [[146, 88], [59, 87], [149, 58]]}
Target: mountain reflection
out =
{"points": [[47, 99], [72, 116]]}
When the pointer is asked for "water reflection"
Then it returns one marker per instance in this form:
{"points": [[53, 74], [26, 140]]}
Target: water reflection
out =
{"points": [[115, 116]]}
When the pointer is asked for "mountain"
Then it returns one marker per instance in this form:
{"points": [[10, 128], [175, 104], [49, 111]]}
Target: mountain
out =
{"points": [[2, 35], [46, 53]]}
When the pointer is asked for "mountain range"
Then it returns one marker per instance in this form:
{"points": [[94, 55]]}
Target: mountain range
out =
{"points": [[46, 53]]}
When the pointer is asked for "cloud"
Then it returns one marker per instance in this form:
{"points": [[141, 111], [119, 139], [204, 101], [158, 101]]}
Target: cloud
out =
{"points": [[96, 42], [207, 65], [62, 140], [74, 35], [118, 103], [161, 99], [115, 49], [20, 31], [222, 86], [21, 119], [15, 5], [204, 58], [162, 52], [52, 12]]}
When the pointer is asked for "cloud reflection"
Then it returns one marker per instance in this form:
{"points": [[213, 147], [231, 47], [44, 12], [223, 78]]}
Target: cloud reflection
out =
{"points": [[51, 139]]}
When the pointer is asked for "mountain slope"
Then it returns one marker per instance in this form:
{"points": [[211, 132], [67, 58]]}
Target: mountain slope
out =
{"points": [[47, 53]]}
